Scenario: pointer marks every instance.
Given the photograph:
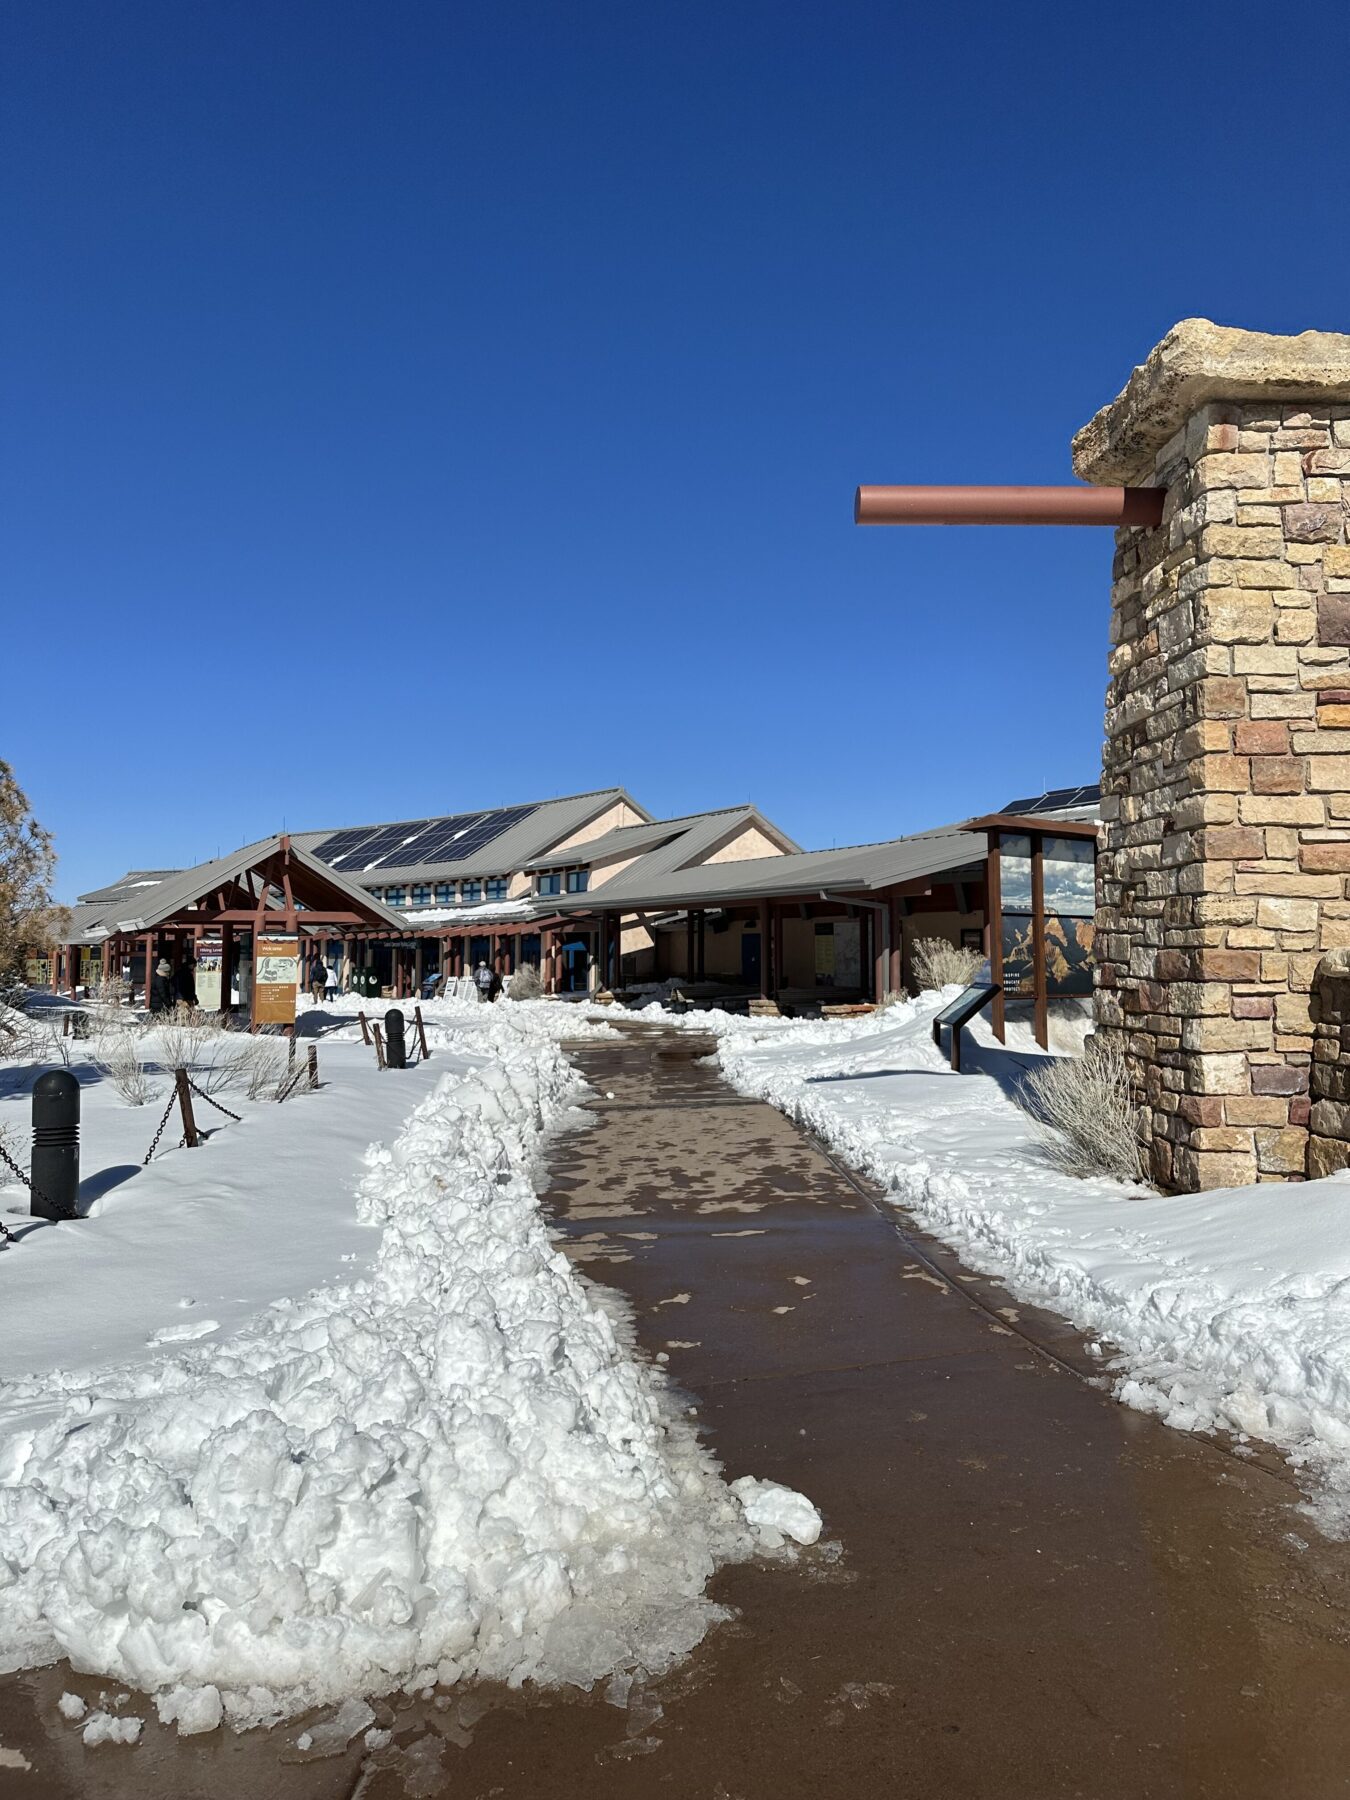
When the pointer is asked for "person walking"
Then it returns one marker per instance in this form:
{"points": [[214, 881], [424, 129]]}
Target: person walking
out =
{"points": [[331, 984], [483, 980], [162, 998], [185, 983], [318, 978]]}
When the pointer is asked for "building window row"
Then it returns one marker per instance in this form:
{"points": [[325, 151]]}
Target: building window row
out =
{"points": [[556, 881], [445, 893]]}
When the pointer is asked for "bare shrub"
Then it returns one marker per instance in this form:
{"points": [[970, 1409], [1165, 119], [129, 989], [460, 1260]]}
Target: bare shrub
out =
{"points": [[1087, 1117], [109, 990], [260, 1066], [125, 1066], [891, 998], [20, 1035], [935, 963], [525, 984], [200, 1043]]}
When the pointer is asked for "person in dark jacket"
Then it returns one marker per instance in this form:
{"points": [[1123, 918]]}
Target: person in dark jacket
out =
{"points": [[185, 983], [161, 988], [317, 976]]}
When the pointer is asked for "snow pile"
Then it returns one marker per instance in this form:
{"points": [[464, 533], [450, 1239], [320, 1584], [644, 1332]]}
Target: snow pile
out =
{"points": [[1228, 1309], [453, 1466]]}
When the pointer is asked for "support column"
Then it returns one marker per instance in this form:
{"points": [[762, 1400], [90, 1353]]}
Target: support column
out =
{"points": [[1226, 773], [702, 944], [149, 965], [226, 966], [765, 985], [895, 977], [779, 965]]}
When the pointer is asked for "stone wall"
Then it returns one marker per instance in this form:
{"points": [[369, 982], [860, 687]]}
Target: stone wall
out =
{"points": [[1226, 768]]}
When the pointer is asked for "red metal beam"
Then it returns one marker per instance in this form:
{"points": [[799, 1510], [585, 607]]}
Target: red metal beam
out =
{"points": [[1008, 506]]}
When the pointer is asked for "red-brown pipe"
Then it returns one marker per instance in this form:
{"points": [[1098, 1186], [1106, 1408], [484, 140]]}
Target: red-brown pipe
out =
{"points": [[1008, 506]]}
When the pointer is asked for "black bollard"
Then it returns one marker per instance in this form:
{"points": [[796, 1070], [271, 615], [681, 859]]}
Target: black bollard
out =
{"points": [[395, 1051], [55, 1165]]}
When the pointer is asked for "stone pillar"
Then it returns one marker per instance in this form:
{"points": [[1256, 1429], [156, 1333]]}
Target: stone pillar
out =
{"points": [[1226, 767]]}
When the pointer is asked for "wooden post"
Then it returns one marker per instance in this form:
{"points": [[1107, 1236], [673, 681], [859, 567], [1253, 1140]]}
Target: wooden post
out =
{"points": [[313, 1065], [417, 971], [895, 978], [689, 944], [994, 882], [379, 1047], [765, 986], [149, 965], [365, 1029], [881, 925], [702, 943], [226, 966], [1042, 1008], [421, 1032], [779, 966], [190, 1137]]}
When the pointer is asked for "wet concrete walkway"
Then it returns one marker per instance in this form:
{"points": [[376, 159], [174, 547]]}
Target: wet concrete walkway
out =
{"points": [[1039, 1593], [1026, 1591]]}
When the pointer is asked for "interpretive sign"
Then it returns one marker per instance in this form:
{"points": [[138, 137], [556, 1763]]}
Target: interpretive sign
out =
{"points": [[276, 976]]}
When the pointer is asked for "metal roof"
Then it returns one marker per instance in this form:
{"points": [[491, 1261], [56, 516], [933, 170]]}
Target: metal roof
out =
{"points": [[134, 881], [166, 897], [946, 850], [544, 824], [677, 841]]}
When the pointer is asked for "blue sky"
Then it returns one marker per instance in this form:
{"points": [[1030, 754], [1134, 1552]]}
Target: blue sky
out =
{"points": [[359, 351]]}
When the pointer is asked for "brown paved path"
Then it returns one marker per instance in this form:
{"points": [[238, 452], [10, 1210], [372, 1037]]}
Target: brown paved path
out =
{"points": [[1039, 1594]]}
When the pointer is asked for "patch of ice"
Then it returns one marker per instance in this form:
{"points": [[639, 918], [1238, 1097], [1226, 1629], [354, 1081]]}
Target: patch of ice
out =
{"points": [[776, 1512], [107, 1728]]}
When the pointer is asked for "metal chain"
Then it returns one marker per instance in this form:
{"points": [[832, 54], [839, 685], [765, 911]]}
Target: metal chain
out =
{"points": [[211, 1102], [6, 1235], [159, 1131], [22, 1174]]}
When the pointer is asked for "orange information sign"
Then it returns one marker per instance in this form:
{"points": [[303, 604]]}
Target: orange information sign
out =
{"points": [[276, 976]]}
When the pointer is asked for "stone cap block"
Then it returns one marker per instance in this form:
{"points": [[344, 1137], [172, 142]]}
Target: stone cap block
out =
{"points": [[1195, 363]]}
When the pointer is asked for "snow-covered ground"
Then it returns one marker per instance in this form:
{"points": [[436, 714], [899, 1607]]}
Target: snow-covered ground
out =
{"points": [[284, 1420], [1229, 1309]]}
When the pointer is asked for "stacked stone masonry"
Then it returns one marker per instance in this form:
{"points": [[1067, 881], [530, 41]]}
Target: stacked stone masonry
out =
{"points": [[1226, 786]]}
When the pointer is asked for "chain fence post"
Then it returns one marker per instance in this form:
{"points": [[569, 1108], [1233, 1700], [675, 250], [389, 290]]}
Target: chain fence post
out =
{"points": [[54, 1166], [191, 1137]]}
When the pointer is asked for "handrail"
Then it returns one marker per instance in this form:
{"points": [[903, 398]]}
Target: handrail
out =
{"points": [[960, 1012]]}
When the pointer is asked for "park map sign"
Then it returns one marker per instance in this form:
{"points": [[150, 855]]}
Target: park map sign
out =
{"points": [[276, 976]]}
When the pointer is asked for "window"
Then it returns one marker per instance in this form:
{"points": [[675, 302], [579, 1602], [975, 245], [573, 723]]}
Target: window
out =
{"points": [[395, 896], [496, 887], [550, 884], [470, 892], [578, 880], [445, 893], [421, 894]]}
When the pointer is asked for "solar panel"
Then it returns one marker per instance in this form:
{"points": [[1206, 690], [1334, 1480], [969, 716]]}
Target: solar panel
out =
{"points": [[448, 839], [392, 843], [442, 840], [333, 849], [1055, 800]]}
